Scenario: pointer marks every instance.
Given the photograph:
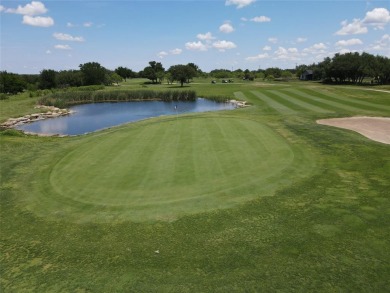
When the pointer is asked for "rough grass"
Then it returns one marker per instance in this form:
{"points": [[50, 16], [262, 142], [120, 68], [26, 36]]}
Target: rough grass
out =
{"points": [[64, 229]]}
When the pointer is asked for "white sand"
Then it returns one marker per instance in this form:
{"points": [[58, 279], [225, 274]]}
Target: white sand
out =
{"points": [[375, 128]]}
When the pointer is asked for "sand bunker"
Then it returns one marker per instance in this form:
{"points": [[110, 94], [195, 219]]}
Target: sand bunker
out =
{"points": [[375, 128]]}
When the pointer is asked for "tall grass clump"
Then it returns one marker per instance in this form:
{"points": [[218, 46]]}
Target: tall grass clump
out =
{"points": [[86, 88], [220, 99], [64, 99]]}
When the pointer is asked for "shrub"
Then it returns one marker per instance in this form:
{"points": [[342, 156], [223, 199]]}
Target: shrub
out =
{"points": [[3, 96], [12, 132]]}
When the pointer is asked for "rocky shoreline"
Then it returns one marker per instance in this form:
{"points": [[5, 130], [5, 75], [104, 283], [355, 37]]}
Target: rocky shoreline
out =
{"points": [[51, 112], [239, 104]]}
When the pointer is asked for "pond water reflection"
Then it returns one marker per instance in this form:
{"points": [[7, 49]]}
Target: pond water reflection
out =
{"points": [[92, 117]]}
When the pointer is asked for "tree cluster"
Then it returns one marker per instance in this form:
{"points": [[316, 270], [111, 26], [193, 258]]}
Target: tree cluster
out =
{"points": [[181, 73], [91, 73], [350, 68]]}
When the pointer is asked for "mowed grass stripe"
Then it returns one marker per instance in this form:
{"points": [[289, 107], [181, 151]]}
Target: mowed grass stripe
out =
{"points": [[116, 167], [320, 97], [272, 103], [165, 169], [357, 102], [305, 105], [240, 96]]}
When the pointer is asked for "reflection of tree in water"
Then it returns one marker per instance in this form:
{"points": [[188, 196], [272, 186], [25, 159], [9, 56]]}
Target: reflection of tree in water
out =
{"points": [[93, 117]]}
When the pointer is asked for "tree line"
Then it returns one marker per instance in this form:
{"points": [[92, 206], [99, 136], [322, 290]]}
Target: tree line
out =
{"points": [[354, 68]]}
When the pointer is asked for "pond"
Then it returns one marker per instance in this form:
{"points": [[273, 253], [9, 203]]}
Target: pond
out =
{"points": [[92, 117]]}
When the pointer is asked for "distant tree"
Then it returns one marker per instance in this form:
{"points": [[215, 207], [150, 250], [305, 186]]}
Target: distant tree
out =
{"points": [[286, 74], [169, 78], [32, 81], [300, 69], [112, 78], [160, 76], [238, 73], [93, 73], [196, 70], [383, 69], [182, 73], [153, 71], [221, 73], [47, 79], [69, 78], [274, 71], [124, 72], [11, 83], [248, 75]]}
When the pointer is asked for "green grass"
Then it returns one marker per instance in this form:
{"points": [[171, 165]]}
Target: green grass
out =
{"points": [[17, 106], [167, 169], [260, 199]]}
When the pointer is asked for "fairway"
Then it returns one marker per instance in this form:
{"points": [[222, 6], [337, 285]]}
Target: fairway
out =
{"points": [[159, 171], [256, 199]]}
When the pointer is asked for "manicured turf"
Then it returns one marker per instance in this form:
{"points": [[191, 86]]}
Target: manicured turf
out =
{"points": [[260, 199], [169, 168]]}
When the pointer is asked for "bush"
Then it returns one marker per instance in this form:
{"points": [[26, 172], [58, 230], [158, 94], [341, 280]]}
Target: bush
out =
{"points": [[12, 132], [3, 96]]}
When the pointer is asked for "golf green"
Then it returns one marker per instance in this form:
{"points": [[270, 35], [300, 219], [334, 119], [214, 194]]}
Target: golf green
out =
{"points": [[163, 170]]}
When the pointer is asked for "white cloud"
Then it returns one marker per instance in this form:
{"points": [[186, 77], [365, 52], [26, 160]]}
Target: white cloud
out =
{"points": [[205, 37], [196, 46], [162, 54], [62, 47], [226, 28], [378, 17], [87, 24], [176, 51], [292, 50], [239, 3], [33, 8], [382, 44], [350, 42], [386, 37], [261, 19], [48, 52], [224, 45], [38, 21], [267, 48], [318, 48], [69, 24], [301, 40], [287, 54], [354, 28], [273, 40], [66, 37], [257, 57], [2, 8]]}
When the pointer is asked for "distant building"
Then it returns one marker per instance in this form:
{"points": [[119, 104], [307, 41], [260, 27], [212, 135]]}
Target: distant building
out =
{"points": [[307, 75]]}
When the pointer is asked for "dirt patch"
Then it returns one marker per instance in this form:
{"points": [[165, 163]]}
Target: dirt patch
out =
{"points": [[375, 128]]}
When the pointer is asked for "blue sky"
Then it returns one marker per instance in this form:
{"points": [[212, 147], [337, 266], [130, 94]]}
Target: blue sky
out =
{"points": [[230, 34]]}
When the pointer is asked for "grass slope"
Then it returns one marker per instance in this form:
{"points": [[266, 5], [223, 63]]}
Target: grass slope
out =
{"points": [[90, 213]]}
